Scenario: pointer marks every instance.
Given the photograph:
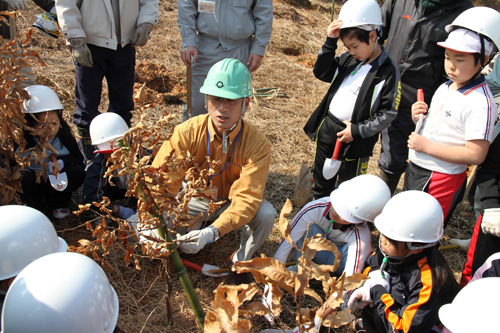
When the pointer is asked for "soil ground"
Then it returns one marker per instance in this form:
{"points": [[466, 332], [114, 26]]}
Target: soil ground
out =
{"points": [[298, 32]]}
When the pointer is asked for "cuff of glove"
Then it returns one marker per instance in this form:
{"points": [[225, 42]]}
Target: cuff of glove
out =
{"points": [[215, 233], [377, 291]]}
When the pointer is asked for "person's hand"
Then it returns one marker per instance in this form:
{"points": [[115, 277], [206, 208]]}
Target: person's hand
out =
{"points": [[17, 4], [189, 55], [80, 52], [346, 135], [125, 212], [418, 142], [362, 294], [142, 34], [333, 30], [418, 108], [491, 221], [50, 166], [195, 240], [254, 62]]}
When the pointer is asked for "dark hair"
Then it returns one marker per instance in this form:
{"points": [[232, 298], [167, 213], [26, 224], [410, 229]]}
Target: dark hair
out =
{"points": [[32, 121], [442, 276], [360, 34]]}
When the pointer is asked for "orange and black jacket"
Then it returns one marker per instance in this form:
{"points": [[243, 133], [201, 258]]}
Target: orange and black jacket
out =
{"points": [[412, 304]]}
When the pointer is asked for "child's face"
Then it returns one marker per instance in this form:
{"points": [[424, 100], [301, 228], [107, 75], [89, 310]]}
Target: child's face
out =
{"points": [[460, 67], [336, 218], [359, 50], [48, 124], [391, 250]]}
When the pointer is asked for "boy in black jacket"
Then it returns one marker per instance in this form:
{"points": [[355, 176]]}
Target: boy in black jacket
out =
{"points": [[363, 96]]}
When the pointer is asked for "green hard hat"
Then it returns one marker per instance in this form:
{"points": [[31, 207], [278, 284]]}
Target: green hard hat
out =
{"points": [[228, 78]]}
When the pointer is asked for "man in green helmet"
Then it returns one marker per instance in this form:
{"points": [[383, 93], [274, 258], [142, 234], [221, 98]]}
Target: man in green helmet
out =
{"points": [[242, 154]]}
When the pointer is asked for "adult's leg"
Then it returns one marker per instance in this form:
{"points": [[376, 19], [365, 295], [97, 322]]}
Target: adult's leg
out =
{"points": [[394, 147], [88, 97], [256, 232], [120, 77]]}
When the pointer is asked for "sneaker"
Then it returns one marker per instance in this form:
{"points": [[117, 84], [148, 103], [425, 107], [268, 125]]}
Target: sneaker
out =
{"points": [[61, 213]]}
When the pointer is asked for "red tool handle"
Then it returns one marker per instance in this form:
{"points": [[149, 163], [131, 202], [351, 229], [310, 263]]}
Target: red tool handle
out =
{"points": [[420, 95], [336, 151], [191, 265]]}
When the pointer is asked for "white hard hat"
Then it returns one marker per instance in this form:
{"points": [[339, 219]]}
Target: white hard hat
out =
{"points": [[474, 309], [358, 13], [61, 293], [106, 127], [411, 216], [361, 198], [25, 235], [482, 20], [42, 99]]}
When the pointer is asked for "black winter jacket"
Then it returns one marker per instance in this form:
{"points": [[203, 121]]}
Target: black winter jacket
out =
{"points": [[369, 117], [411, 38], [413, 303]]}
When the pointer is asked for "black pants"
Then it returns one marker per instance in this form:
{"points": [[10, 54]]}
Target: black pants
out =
{"points": [[325, 145], [42, 195]]}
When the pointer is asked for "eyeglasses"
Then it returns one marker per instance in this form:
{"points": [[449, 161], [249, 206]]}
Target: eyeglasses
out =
{"points": [[217, 101]]}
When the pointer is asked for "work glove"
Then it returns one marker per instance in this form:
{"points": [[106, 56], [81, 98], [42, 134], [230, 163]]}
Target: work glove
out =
{"points": [[125, 212], [363, 293], [17, 4], [142, 34], [80, 52], [195, 240], [50, 166], [267, 301], [491, 221]]}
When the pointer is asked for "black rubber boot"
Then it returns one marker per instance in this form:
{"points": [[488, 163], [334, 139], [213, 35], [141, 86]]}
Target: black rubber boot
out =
{"points": [[85, 144]]}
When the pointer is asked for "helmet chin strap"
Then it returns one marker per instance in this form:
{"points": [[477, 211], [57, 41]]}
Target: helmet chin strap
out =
{"points": [[224, 135]]}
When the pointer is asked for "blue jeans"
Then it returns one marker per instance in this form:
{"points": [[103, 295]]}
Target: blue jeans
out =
{"points": [[324, 257]]}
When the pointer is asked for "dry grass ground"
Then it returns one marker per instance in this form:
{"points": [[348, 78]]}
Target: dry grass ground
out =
{"points": [[297, 36]]}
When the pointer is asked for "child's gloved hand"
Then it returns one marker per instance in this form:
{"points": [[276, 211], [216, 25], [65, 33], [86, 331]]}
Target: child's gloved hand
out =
{"points": [[491, 221], [125, 212], [363, 293], [50, 166]]}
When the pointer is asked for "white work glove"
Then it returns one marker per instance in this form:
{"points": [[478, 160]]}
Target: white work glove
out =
{"points": [[50, 166], [17, 4], [267, 301], [80, 52], [491, 221], [363, 293], [125, 212], [142, 34], [195, 240]]}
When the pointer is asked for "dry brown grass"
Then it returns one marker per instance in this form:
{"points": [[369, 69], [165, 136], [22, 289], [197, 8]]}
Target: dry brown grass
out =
{"points": [[297, 36]]}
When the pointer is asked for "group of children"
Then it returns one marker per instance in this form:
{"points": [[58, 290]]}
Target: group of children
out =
{"points": [[64, 166], [409, 279]]}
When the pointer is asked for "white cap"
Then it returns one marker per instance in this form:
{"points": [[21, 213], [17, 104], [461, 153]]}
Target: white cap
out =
{"points": [[466, 41]]}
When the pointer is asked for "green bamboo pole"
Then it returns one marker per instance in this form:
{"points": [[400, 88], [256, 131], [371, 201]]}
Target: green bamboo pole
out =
{"points": [[179, 267]]}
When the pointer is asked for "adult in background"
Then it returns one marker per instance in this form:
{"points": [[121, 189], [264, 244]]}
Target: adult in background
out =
{"points": [[102, 36], [411, 30], [244, 154], [213, 30]]}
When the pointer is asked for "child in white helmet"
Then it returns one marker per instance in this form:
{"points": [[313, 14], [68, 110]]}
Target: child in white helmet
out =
{"points": [[64, 166], [362, 99], [342, 218], [458, 125], [25, 235], [61, 293], [105, 131], [409, 279]]}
